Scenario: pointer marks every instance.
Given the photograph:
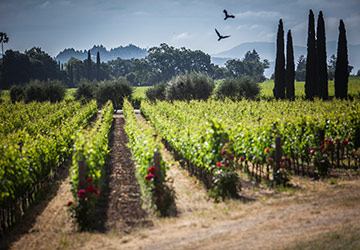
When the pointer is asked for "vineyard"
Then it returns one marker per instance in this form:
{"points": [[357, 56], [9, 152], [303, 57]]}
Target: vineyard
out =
{"points": [[219, 143], [315, 136]]}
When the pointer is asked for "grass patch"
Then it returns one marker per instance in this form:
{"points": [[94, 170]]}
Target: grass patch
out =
{"points": [[333, 181], [281, 189], [5, 95], [268, 85], [347, 237], [139, 92], [69, 94]]}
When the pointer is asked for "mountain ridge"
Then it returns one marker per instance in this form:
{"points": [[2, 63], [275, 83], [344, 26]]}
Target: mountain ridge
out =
{"points": [[124, 52]]}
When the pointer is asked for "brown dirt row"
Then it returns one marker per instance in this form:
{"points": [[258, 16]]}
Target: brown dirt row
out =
{"points": [[121, 206]]}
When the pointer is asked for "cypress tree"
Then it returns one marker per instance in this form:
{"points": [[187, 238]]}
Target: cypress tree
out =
{"points": [[71, 74], [311, 65], [279, 88], [78, 76], [98, 66], [342, 64], [290, 69], [89, 66], [321, 51]]}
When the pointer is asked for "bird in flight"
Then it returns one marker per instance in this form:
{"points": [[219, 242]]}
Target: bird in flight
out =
{"points": [[227, 15], [220, 36]]}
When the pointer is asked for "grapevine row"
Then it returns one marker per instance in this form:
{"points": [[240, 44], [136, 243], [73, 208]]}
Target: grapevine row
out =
{"points": [[30, 117], [23, 167], [145, 147], [203, 144], [90, 149]]}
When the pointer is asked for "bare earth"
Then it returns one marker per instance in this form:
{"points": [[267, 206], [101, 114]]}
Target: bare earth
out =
{"points": [[309, 213]]}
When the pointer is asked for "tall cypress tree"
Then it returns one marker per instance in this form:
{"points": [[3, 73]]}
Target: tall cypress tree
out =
{"points": [[89, 66], [321, 52], [71, 74], [98, 66], [279, 88], [290, 69], [342, 64], [311, 89]]}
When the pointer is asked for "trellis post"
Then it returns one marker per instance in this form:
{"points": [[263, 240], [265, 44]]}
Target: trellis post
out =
{"points": [[277, 153], [157, 166], [82, 174]]}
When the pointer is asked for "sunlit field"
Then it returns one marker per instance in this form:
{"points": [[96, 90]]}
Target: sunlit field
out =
{"points": [[70, 93], [139, 92], [268, 85]]}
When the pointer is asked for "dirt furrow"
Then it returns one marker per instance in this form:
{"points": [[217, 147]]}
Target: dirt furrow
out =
{"points": [[122, 197]]}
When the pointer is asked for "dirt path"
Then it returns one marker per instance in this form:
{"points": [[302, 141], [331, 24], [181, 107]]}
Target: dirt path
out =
{"points": [[120, 209]]}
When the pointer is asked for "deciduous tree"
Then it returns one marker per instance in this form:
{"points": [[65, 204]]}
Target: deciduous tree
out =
{"points": [[4, 38]]}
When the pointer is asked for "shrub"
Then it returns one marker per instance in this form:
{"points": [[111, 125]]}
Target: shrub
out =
{"points": [[136, 102], [53, 91], [189, 86], [115, 90], [34, 91], [17, 93], [157, 92], [85, 90], [237, 89], [202, 86]]}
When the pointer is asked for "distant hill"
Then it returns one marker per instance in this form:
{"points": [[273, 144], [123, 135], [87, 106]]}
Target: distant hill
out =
{"points": [[127, 52], [267, 50]]}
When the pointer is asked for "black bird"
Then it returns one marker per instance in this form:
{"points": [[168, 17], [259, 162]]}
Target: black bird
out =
{"points": [[220, 36], [227, 15]]}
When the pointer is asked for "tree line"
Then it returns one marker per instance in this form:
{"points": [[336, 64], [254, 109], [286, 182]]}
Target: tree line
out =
{"points": [[160, 65], [314, 68]]}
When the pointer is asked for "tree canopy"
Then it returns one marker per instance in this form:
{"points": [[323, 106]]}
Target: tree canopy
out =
{"points": [[161, 64], [251, 66]]}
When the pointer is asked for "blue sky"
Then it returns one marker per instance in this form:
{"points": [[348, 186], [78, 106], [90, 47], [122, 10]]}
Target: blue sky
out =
{"points": [[57, 24]]}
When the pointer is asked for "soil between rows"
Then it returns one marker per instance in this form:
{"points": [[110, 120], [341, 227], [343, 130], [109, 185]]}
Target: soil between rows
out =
{"points": [[120, 207]]}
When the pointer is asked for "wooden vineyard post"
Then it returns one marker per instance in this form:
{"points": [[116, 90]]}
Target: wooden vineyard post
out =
{"points": [[277, 153], [157, 178], [321, 136], [82, 174], [157, 167]]}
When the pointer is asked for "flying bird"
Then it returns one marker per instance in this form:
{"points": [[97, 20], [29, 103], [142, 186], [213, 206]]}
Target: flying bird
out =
{"points": [[220, 36], [227, 15]]}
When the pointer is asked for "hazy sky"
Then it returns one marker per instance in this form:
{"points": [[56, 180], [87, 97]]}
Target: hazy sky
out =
{"points": [[57, 24]]}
